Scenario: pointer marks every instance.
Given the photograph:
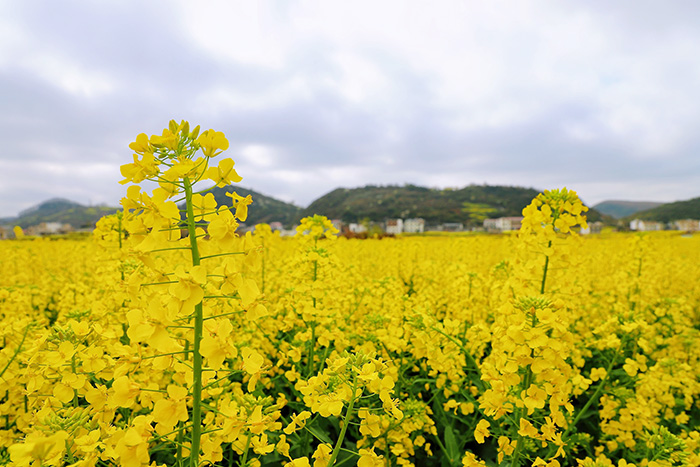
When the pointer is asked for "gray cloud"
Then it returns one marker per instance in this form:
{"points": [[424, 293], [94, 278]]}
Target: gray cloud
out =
{"points": [[599, 97]]}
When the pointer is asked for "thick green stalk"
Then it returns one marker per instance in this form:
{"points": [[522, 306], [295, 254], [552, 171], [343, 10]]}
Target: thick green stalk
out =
{"points": [[17, 350], [312, 347], [346, 422], [180, 440], [546, 267], [119, 232], [244, 458], [515, 459], [468, 357], [264, 257], [198, 326], [636, 285], [593, 399], [312, 342]]}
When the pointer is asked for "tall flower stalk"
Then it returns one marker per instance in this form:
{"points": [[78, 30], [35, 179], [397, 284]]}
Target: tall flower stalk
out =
{"points": [[177, 160], [528, 372]]}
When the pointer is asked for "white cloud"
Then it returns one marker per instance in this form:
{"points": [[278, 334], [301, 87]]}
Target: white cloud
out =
{"points": [[70, 77], [20, 50], [361, 80], [259, 156], [250, 33]]}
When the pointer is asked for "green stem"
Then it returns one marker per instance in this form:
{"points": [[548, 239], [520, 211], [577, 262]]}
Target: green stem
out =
{"points": [[515, 459], [264, 256], [223, 254], [526, 386], [17, 350], [636, 285], [546, 267], [164, 354], [467, 355], [75, 391], [244, 459], [436, 438], [593, 398], [180, 440], [119, 231], [198, 330], [346, 420], [171, 248], [312, 347], [223, 314]]}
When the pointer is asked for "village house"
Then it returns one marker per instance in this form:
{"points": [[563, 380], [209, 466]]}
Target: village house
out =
{"points": [[452, 227], [49, 228], [593, 228], [394, 226], [357, 228], [416, 225], [276, 226], [338, 224], [645, 226], [687, 225], [503, 224]]}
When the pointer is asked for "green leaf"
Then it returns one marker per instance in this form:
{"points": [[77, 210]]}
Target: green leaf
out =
{"points": [[319, 434], [453, 451]]}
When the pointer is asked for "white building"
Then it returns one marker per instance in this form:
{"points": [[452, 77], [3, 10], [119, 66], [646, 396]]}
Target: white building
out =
{"points": [[338, 224], [416, 225], [357, 228], [687, 225], [49, 228], [503, 224], [645, 226], [452, 227], [593, 228], [394, 226]]}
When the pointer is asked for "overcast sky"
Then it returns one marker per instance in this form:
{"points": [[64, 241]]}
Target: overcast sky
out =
{"points": [[601, 97]]}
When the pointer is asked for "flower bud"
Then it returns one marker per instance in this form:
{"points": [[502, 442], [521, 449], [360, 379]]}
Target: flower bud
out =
{"points": [[195, 132]]}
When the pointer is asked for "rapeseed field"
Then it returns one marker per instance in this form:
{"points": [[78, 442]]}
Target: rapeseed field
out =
{"points": [[169, 339]]}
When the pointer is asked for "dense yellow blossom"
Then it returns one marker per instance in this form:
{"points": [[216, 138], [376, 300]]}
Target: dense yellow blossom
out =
{"points": [[420, 318]]}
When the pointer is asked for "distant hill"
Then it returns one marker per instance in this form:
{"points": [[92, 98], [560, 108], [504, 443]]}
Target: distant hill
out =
{"points": [[264, 209], [620, 209], [469, 205], [62, 211], [669, 212]]}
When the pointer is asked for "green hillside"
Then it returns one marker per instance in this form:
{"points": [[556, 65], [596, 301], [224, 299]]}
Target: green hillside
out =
{"points": [[264, 208], [62, 211], [620, 209], [469, 205], [689, 209]]}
